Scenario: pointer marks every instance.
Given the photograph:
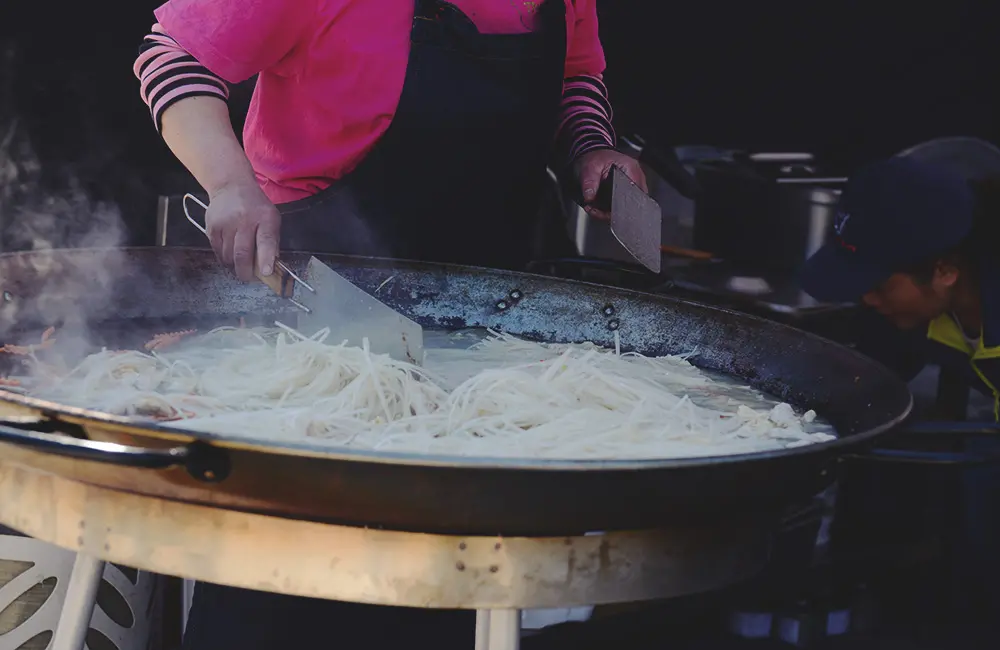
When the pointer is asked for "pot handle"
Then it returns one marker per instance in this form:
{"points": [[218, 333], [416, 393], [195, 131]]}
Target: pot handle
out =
{"points": [[202, 461], [936, 429], [664, 161], [629, 276], [582, 263]]}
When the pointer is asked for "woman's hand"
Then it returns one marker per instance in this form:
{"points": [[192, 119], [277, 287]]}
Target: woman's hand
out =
{"points": [[240, 219], [594, 166], [244, 227]]}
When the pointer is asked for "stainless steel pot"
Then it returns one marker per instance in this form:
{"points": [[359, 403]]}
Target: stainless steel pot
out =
{"points": [[767, 211], [669, 183]]}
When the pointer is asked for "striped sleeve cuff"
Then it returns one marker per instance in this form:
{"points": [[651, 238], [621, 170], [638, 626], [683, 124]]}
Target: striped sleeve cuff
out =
{"points": [[168, 74], [585, 121]]}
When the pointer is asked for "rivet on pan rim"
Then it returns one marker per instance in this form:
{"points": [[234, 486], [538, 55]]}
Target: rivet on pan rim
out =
{"points": [[207, 463], [613, 324], [608, 310], [8, 296], [502, 304], [515, 294]]}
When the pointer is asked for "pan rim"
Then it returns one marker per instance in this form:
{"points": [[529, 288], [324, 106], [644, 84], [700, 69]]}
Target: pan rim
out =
{"points": [[152, 429]]}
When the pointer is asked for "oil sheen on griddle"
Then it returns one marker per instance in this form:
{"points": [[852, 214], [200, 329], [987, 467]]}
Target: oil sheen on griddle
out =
{"points": [[446, 354]]}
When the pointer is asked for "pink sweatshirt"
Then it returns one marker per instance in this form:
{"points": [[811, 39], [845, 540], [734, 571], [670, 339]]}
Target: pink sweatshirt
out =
{"points": [[331, 73]]}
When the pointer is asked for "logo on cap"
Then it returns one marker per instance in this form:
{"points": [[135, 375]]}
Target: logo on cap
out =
{"points": [[839, 222]]}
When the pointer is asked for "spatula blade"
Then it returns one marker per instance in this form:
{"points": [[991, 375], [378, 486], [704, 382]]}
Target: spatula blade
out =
{"points": [[353, 315], [636, 220]]}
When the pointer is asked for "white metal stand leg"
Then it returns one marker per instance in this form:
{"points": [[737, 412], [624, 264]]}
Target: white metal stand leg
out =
{"points": [[496, 629], [78, 607], [482, 629]]}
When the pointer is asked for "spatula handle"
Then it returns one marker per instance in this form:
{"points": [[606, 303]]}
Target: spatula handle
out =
{"points": [[677, 251], [280, 281]]}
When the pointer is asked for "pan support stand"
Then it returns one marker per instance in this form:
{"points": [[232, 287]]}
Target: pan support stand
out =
{"points": [[78, 606], [496, 576], [498, 629]]}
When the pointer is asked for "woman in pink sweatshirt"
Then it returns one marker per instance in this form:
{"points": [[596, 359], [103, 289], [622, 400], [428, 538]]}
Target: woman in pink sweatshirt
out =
{"points": [[415, 129]]}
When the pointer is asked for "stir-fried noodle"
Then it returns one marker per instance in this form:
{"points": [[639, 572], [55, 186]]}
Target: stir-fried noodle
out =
{"points": [[501, 397]]}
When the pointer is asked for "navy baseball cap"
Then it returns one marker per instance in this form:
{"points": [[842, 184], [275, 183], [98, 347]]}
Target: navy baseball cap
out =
{"points": [[893, 214]]}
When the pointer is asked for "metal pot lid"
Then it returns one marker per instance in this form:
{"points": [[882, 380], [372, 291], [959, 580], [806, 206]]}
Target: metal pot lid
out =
{"points": [[973, 157]]}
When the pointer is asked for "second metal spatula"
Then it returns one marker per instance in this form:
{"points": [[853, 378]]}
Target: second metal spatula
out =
{"points": [[353, 315], [636, 219]]}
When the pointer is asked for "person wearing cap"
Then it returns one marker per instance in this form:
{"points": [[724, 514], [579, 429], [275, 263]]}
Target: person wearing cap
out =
{"points": [[918, 244]]}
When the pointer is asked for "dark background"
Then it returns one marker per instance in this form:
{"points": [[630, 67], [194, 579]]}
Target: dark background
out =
{"points": [[846, 80]]}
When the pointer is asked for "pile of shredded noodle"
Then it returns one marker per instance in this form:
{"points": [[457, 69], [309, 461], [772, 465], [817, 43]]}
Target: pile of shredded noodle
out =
{"points": [[502, 397]]}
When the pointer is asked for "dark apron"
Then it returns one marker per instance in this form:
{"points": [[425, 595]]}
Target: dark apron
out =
{"points": [[457, 178], [459, 175]]}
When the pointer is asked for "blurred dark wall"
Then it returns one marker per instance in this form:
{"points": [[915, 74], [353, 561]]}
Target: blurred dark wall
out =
{"points": [[66, 83], [67, 68], [864, 80], [847, 79]]}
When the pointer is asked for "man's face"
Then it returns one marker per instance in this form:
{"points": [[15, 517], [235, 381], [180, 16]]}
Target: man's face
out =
{"points": [[909, 303]]}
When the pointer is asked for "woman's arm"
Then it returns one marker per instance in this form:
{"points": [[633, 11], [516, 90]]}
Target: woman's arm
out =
{"points": [[188, 105], [183, 67], [585, 123], [243, 226], [186, 61], [168, 73], [585, 137], [199, 132]]}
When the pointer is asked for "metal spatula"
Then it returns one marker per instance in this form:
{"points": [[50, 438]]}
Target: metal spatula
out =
{"points": [[282, 281], [353, 315], [636, 219], [327, 299]]}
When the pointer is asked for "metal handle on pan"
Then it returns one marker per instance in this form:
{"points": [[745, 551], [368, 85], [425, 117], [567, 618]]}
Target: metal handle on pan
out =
{"points": [[579, 263], [937, 429], [664, 161], [578, 268], [202, 461]]}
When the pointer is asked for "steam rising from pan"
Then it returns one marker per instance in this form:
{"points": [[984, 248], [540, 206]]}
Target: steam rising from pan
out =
{"points": [[34, 217]]}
